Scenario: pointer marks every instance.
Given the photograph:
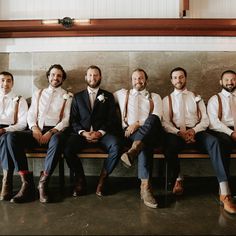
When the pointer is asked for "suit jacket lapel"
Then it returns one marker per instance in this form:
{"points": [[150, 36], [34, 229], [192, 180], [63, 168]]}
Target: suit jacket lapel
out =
{"points": [[96, 100], [86, 99]]}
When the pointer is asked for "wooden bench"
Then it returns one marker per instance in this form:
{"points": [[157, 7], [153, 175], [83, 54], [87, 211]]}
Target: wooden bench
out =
{"points": [[99, 153]]}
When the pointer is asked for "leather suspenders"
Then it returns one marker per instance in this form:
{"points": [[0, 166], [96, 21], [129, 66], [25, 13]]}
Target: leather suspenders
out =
{"points": [[220, 107], [125, 112], [171, 114], [62, 108]]}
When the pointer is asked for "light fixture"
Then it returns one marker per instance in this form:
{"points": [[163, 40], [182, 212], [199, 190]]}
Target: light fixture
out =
{"points": [[67, 22]]}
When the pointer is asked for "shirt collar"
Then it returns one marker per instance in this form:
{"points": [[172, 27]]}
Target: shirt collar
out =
{"points": [[226, 93], [92, 90], [8, 95], [144, 92], [50, 89], [177, 92]]}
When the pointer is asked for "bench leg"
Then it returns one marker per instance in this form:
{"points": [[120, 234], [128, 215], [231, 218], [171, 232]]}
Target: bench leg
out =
{"points": [[61, 172]]}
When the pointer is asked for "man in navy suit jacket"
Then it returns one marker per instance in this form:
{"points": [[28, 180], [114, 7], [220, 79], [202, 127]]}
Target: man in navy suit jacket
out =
{"points": [[93, 120]]}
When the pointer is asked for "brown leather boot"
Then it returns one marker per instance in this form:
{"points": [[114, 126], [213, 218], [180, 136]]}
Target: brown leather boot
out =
{"points": [[43, 187], [6, 192], [127, 158], [227, 202], [147, 195], [27, 190], [80, 185], [178, 187], [101, 182]]}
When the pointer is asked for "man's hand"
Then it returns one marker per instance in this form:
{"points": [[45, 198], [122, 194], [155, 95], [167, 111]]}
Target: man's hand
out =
{"points": [[188, 135], [45, 138], [37, 134], [233, 136], [2, 131], [131, 129], [92, 136]]}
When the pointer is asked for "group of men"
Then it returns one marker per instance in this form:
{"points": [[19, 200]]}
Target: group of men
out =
{"points": [[66, 124]]}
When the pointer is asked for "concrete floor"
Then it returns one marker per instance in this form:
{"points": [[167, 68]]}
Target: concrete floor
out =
{"points": [[121, 212]]}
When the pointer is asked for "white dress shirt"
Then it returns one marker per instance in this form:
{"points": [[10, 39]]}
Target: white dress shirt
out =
{"points": [[227, 118], [7, 112], [138, 105], [191, 116], [49, 109]]}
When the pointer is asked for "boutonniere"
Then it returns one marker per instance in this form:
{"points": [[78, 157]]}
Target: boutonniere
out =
{"points": [[198, 98], [102, 98], [147, 95], [67, 95], [16, 99]]}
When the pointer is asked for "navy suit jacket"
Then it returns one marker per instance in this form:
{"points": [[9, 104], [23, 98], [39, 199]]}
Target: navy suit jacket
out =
{"points": [[103, 116]]}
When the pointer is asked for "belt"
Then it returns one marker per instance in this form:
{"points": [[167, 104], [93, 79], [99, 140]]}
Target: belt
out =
{"points": [[3, 126]]}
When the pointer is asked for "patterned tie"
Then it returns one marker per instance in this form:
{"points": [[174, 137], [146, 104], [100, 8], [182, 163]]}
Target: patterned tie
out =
{"points": [[182, 113], [233, 108]]}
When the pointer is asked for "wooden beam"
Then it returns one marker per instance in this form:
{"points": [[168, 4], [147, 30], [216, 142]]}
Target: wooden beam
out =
{"points": [[120, 27]]}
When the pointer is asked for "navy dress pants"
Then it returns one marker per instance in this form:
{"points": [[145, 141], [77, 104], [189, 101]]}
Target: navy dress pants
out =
{"points": [[206, 143]]}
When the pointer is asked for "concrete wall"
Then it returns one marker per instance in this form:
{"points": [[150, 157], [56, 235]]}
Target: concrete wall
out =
{"points": [[204, 69]]}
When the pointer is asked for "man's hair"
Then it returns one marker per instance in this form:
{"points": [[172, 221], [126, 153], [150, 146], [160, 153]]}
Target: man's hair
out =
{"points": [[59, 67], [178, 69], [96, 68], [7, 74], [141, 70], [227, 72]]}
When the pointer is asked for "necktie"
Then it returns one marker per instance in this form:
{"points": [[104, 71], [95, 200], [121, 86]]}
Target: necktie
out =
{"points": [[182, 124], [233, 109], [92, 97]]}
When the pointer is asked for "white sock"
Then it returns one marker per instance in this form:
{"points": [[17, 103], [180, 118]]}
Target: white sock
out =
{"points": [[224, 188], [180, 177]]}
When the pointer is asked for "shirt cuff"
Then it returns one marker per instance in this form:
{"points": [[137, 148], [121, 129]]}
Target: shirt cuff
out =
{"points": [[81, 131], [102, 132]]}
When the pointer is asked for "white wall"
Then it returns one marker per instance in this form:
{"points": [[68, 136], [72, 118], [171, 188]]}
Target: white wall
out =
{"points": [[43, 9], [51, 9]]}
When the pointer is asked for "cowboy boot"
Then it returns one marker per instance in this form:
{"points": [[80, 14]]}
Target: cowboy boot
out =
{"points": [[43, 187], [127, 158], [27, 190], [101, 182], [147, 195], [80, 185], [6, 192]]}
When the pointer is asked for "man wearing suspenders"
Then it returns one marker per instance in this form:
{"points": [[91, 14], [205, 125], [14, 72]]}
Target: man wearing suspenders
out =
{"points": [[13, 114], [222, 115], [141, 113], [185, 120], [47, 117]]}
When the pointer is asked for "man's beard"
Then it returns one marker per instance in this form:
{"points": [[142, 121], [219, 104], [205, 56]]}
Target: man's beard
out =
{"points": [[230, 90], [94, 85]]}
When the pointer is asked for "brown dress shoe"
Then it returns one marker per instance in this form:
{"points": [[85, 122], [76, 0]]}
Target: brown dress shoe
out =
{"points": [[227, 202], [178, 188], [101, 182], [80, 186], [6, 192], [43, 188]]}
